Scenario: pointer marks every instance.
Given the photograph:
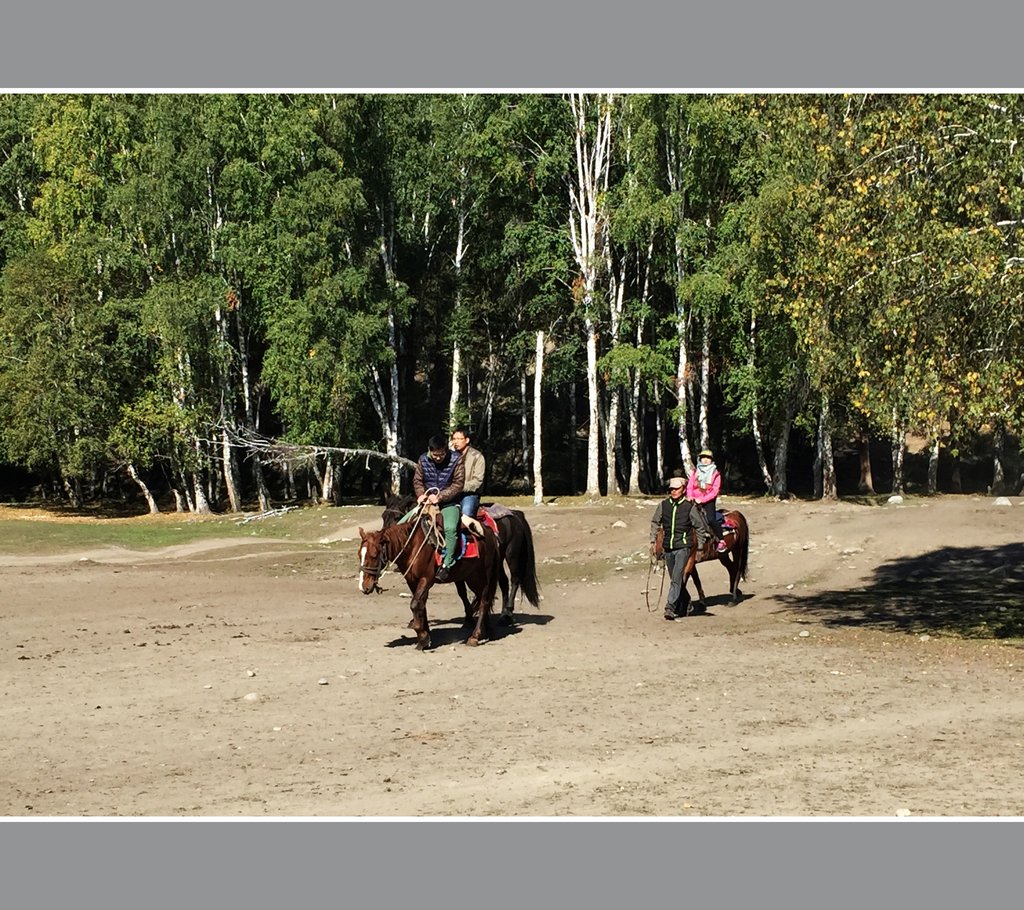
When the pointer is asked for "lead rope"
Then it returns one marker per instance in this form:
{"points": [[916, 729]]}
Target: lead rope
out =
{"points": [[647, 588]]}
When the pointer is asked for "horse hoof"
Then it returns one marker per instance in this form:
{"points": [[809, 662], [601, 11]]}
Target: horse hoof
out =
{"points": [[506, 619], [472, 642]]}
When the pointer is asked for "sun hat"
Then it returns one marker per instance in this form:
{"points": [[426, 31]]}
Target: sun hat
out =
{"points": [[674, 482], [705, 453]]}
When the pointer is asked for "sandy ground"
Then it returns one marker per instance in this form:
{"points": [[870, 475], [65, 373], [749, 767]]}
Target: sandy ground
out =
{"points": [[872, 668]]}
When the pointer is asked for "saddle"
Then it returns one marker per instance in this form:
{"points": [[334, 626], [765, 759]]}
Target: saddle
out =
{"points": [[705, 538], [471, 531]]}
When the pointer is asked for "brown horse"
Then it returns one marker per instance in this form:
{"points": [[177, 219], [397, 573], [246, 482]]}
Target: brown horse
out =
{"points": [[515, 549], [409, 547], [734, 558]]}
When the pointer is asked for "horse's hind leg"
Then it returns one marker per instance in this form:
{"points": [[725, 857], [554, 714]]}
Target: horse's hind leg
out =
{"points": [[734, 576], [700, 606], [508, 596], [470, 607]]}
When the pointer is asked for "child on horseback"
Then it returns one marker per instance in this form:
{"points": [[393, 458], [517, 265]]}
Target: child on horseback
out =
{"points": [[702, 489]]}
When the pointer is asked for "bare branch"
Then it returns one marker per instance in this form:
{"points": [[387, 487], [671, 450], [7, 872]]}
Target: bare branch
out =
{"points": [[275, 451]]}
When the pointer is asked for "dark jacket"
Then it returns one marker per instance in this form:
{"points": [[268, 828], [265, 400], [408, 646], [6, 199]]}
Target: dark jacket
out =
{"points": [[674, 516], [449, 477]]}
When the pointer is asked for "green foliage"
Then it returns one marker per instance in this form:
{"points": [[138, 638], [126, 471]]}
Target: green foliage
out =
{"points": [[173, 262]]}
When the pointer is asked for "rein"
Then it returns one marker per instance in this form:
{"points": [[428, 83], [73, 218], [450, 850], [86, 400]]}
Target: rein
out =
{"points": [[385, 561], [647, 587]]}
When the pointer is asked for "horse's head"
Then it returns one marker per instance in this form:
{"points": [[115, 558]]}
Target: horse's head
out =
{"points": [[395, 507], [372, 560]]}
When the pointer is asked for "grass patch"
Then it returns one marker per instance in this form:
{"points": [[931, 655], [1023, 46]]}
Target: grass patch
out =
{"points": [[24, 531]]}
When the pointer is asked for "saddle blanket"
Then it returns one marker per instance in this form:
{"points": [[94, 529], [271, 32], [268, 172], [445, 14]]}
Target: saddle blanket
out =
{"points": [[467, 546]]}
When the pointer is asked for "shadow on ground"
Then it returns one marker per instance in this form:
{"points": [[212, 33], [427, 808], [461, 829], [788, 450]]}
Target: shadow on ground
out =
{"points": [[974, 592]]}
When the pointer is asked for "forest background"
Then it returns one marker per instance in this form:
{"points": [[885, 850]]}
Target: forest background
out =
{"points": [[236, 300]]}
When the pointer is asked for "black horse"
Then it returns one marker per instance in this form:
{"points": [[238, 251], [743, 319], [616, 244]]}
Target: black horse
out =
{"points": [[515, 549]]}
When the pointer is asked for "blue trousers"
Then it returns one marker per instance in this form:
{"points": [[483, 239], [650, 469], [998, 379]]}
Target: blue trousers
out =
{"points": [[470, 504]]}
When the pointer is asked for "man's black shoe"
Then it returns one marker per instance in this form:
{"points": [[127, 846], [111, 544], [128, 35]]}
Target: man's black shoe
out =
{"points": [[443, 573]]}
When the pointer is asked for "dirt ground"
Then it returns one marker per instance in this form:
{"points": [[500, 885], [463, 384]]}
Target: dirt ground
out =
{"points": [[872, 668]]}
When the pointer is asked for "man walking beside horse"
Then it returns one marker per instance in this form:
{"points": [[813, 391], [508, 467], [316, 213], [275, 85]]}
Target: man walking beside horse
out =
{"points": [[671, 535]]}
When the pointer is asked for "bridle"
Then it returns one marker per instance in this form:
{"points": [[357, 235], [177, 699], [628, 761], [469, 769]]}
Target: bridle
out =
{"points": [[383, 560], [375, 572]]}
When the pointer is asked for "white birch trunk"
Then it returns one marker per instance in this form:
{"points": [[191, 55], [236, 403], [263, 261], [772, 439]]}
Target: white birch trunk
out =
{"points": [[230, 478], [150, 501], [587, 229], [460, 251], [250, 408], [387, 407], [228, 469], [593, 434], [524, 428], [899, 445], [825, 453], [538, 378], [933, 464], [200, 504], [613, 436], [755, 414], [705, 380]]}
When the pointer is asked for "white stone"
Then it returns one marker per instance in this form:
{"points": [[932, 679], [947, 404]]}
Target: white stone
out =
{"points": [[805, 634], [252, 696], [619, 524], [902, 813], [895, 500], [322, 681], [1003, 501]]}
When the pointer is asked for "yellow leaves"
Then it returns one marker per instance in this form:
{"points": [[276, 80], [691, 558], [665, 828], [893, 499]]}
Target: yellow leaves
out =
{"points": [[312, 353]]}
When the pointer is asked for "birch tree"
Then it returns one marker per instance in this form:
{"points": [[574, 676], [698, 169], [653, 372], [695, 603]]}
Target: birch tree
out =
{"points": [[588, 230]]}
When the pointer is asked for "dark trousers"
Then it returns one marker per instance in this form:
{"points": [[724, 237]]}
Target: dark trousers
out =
{"points": [[710, 512], [678, 597]]}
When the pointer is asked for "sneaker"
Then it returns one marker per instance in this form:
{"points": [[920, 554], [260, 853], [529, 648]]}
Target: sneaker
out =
{"points": [[443, 573], [722, 546], [670, 615]]}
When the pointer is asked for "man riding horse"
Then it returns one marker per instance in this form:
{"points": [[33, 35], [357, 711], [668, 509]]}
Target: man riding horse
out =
{"points": [[439, 480]]}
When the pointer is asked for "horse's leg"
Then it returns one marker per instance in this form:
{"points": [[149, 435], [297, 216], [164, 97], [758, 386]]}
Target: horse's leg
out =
{"points": [[485, 584], [419, 614], [693, 609], [732, 565], [697, 585], [508, 596], [469, 607], [508, 555]]}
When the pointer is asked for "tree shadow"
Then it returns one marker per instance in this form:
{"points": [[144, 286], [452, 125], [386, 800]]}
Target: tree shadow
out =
{"points": [[973, 592]]}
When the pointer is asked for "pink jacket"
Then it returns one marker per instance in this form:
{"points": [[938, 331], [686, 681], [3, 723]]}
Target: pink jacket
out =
{"points": [[694, 492]]}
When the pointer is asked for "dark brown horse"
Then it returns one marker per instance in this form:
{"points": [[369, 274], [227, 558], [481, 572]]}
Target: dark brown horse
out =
{"points": [[515, 548], [411, 550], [734, 558]]}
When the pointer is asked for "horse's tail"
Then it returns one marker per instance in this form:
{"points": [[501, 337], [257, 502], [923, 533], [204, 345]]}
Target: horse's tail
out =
{"points": [[528, 583], [742, 550]]}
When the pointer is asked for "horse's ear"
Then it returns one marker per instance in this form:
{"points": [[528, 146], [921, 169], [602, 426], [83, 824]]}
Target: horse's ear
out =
{"points": [[362, 534]]}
